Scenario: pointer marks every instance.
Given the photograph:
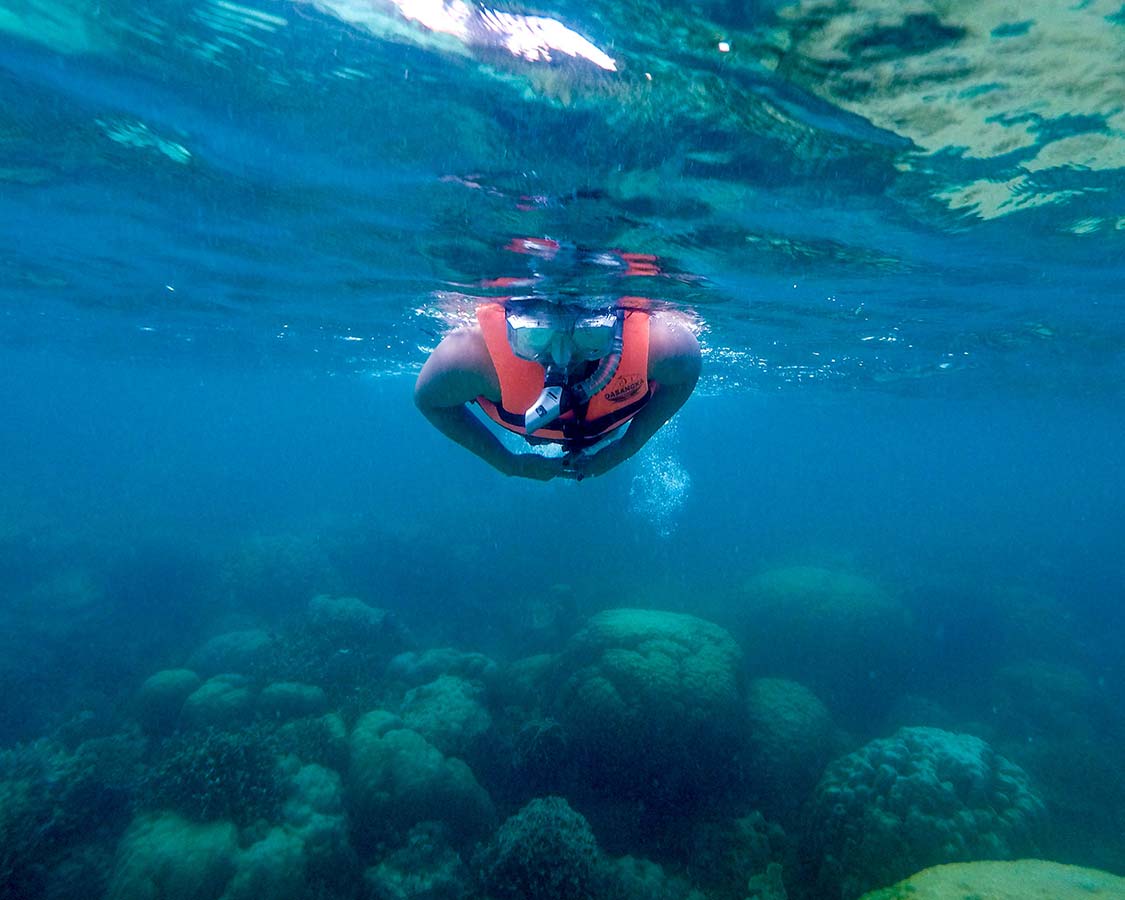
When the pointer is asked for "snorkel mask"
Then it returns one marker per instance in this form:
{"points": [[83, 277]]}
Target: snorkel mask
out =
{"points": [[560, 339]]}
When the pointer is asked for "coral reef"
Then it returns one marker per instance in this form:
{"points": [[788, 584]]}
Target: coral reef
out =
{"points": [[1004, 880], [418, 667], [232, 651], [722, 857], [922, 797], [216, 774], [314, 813], [221, 701], [349, 621], [287, 851], [277, 571], [162, 696], [839, 633], [546, 851], [284, 700], [341, 645], [524, 682], [322, 740], [240, 777], [653, 705], [273, 867], [632, 878], [165, 857], [56, 806], [448, 712], [425, 867], [398, 779], [791, 740]]}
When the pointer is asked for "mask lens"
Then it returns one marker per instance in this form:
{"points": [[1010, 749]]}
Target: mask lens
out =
{"points": [[529, 336], [593, 335], [570, 335]]}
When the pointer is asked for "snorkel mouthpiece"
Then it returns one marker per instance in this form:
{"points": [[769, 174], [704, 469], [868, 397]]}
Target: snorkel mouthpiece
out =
{"points": [[549, 405]]}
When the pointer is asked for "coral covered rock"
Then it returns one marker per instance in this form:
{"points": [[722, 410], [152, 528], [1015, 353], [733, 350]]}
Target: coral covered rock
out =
{"points": [[348, 619], [234, 651], [725, 855], [424, 868], [56, 809], [449, 712], [419, 667], [399, 779], [790, 743], [1023, 879], [222, 700], [632, 878], [214, 774], [546, 851], [165, 857], [524, 681], [653, 703], [272, 867], [286, 700], [838, 632], [162, 696], [922, 797], [340, 644], [314, 813], [322, 740]]}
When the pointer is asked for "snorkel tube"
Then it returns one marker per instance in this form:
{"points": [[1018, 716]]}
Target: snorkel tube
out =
{"points": [[601, 376], [558, 397]]}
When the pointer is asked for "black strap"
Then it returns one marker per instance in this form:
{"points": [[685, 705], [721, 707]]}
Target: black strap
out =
{"points": [[579, 432]]}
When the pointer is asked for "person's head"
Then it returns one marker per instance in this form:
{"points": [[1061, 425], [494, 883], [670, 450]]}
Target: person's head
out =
{"points": [[560, 336]]}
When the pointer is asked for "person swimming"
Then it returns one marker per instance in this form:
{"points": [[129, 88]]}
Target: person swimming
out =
{"points": [[597, 381]]}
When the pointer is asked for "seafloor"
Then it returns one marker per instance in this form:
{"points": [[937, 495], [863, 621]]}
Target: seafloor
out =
{"points": [[806, 735]]}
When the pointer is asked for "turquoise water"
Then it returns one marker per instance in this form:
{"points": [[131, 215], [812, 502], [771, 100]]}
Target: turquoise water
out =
{"points": [[230, 236]]}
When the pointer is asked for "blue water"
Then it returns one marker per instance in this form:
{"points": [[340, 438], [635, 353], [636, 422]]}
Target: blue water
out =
{"points": [[230, 235]]}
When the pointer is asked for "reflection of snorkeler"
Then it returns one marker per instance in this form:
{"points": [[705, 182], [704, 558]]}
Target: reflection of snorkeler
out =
{"points": [[598, 383]]}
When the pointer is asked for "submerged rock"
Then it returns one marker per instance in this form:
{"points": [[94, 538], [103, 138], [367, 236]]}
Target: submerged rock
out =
{"points": [[212, 774], [546, 851], [1023, 879], [424, 868], [322, 740], [418, 667], [726, 855], [235, 651], [633, 878], [397, 779], [162, 696], [348, 619], [291, 700], [653, 705], [165, 856], [922, 797], [791, 741], [449, 712], [219, 701], [314, 812], [839, 633]]}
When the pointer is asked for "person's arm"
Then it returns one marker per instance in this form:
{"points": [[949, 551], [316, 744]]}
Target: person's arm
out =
{"points": [[673, 364], [456, 373]]}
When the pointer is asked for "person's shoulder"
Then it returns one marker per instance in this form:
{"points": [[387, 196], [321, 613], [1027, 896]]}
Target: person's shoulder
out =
{"points": [[463, 347], [671, 333], [673, 349], [458, 369]]}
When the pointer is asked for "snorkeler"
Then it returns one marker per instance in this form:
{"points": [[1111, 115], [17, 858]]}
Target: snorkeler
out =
{"points": [[595, 382]]}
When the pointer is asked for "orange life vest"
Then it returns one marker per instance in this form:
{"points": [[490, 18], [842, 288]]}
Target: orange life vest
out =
{"points": [[522, 381]]}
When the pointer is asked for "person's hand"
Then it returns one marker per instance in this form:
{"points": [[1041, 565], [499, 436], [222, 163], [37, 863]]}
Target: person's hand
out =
{"points": [[582, 465], [535, 467]]}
